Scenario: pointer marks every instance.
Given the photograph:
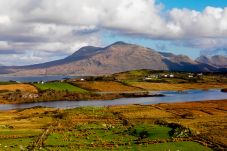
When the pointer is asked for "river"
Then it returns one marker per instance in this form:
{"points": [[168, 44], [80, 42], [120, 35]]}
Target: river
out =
{"points": [[170, 96]]}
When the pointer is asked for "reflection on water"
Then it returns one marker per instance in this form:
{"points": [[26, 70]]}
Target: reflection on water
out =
{"points": [[171, 96]]}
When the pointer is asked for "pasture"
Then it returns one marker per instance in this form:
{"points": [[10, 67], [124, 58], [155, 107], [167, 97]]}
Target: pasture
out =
{"points": [[176, 86], [59, 86], [106, 86], [179, 126], [21, 87]]}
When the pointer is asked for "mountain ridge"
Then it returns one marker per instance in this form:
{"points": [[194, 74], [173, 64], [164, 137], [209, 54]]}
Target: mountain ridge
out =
{"points": [[217, 60], [117, 57]]}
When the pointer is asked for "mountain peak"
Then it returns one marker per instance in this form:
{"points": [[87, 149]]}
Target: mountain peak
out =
{"points": [[217, 60], [85, 52], [218, 56], [119, 43], [117, 57]]}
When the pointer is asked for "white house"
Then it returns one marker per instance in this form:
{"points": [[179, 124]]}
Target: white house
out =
{"points": [[171, 75]]}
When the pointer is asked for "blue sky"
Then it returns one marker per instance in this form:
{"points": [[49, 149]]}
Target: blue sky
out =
{"points": [[198, 5]]}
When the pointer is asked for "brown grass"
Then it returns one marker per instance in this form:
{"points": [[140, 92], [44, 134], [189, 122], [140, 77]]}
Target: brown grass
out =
{"points": [[176, 87], [106, 86], [25, 123], [22, 87], [207, 119]]}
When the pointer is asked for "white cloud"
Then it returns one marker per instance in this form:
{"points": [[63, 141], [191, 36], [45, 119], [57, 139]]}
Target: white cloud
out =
{"points": [[130, 16], [4, 20], [203, 43], [4, 45], [62, 26], [212, 22]]}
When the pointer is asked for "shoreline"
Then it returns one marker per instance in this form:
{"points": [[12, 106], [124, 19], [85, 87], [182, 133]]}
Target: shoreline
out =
{"points": [[106, 96], [118, 95], [106, 106], [112, 100]]}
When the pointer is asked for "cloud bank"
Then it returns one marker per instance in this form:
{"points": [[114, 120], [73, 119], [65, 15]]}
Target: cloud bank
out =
{"points": [[34, 31]]}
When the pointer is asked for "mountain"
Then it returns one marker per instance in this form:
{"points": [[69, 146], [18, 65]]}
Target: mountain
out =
{"points": [[114, 58], [217, 61]]}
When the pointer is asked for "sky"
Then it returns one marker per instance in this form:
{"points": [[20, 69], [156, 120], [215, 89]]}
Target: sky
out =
{"points": [[36, 31]]}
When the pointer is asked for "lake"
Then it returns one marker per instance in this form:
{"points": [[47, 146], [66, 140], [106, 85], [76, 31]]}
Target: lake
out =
{"points": [[171, 96], [5, 78]]}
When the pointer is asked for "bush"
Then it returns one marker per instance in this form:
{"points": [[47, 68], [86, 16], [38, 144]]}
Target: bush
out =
{"points": [[224, 90], [143, 134]]}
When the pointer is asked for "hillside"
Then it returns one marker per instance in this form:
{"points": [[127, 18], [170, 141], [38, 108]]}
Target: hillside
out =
{"points": [[114, 58], [217, 61]]}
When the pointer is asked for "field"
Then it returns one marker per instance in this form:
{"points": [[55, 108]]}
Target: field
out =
{"points": [[18, 129], [179, 77], [193, 126], [136, 80], [106, 86], [6, 83], [59, 86], [179, 126], [120, 85], [21, 87], [205, 119], [177, 87]]}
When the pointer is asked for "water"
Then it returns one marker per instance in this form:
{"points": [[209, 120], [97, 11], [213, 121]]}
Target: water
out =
{"points": [[171, 96], [6, 78]]}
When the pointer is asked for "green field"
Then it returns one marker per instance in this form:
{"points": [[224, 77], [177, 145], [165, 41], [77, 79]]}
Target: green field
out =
{"points": [[176, 146], [152, 131], [59, 86], [92, 128], [102, 130], [6, 83], [13, 144]]}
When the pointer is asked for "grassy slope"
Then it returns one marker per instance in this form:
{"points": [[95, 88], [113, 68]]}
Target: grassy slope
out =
{"points": [[6, 83], [135, 78], [181, 146], [106, 86], [59, 86], [206, 118], [19, 129], [113, 128], [154, 131], [176, 87], [22, 87]]}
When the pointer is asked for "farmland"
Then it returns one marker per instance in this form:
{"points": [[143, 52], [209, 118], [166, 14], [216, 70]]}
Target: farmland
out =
{"points": [[176, 86], [21, 87], [178, 126], [106, 86], [59, 86]]}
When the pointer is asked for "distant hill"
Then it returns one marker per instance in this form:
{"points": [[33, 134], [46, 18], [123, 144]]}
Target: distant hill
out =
{"points": [[217, 61], [114, 58]]}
